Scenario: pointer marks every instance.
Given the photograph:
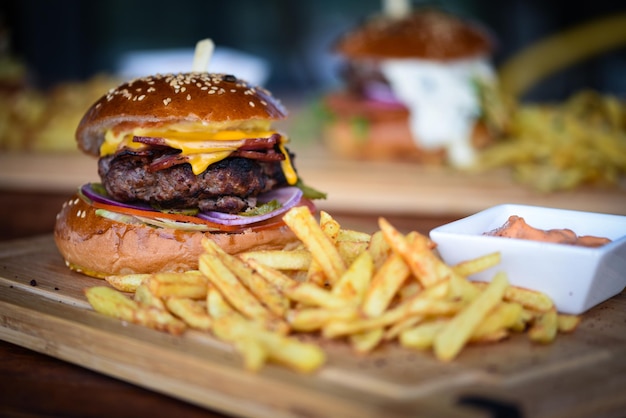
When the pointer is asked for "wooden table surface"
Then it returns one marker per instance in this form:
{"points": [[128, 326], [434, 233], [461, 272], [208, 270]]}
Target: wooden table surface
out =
{"points": [[34, 385]]}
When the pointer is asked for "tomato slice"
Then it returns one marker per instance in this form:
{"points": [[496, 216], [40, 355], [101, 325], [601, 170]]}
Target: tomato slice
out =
{"points": [[163, 215]]}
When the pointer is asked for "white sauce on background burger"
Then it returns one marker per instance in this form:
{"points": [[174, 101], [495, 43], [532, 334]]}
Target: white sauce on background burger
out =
{"points": [[443, 101]]}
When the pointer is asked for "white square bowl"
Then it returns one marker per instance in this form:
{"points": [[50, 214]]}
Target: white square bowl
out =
{"points": [[576, 278]]}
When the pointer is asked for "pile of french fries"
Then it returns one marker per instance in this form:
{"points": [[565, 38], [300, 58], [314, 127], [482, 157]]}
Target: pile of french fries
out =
{"points": [[364, 289]]}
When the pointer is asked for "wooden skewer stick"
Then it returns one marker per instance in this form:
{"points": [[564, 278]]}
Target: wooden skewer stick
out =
{"points": [[396, 9], [202, 55]]}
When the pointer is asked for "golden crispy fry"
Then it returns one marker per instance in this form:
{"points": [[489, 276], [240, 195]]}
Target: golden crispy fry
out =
{"points": [[322, 248], [568, 323], [217, 305], [409, 290], [310, 294], [191, 284], [231, 288], [365, 342], [353, 236], [420, 306], [379, 249], [423, 335], [280, 259], [545, 327], [329, 226], [476, 265], [504, 316], [193, 312], [274, 277], [353, 284], [385, 284], [264, 291], [311, 319], [461, 288], [299, 356], [146, 298], [449, 342], [111, 302], [417, 252], [530, 299], [396, 329], [127, 282], [350, 250]]}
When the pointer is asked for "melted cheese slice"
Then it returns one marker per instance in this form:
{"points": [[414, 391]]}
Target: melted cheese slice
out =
{"points": [[202, 147]]}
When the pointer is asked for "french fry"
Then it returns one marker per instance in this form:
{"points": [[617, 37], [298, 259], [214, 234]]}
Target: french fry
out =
{"points": [[365, 342], [111, 302], [353, 236], [568, 323], [274, 277], [310, 294], [353, 284], [146, 298], [544, 328], [424, 264], [461, 288], [504, 316], [385, 284], [191, 284], [530, 299], [280, 259], [379, 249], [350, 250], [231, 288], [265, 292], [449, 342], [312, 319], [423, 335], [217, 306], [420, 306], [322, 248], [299, 356], [192, 312], [127, 282], [476, 265], [329, 226], [396, 329]]}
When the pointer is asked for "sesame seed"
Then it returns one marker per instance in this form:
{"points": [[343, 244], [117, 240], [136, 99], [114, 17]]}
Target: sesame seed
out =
{"points": [[188, 96], [140, 98], [251, 103]]}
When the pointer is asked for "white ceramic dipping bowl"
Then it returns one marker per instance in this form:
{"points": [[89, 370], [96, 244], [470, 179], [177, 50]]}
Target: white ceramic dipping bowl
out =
{"points": [[576, 278]]}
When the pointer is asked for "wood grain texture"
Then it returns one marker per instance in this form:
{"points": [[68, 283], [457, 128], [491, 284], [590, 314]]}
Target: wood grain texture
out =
{"points": [[42, 307]]}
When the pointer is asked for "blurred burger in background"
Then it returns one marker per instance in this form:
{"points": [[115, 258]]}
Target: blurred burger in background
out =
{"points": [[418, 86]]}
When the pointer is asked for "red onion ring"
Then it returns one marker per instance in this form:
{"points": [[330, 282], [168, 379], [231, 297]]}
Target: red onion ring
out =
{"points": [[288, 197]]}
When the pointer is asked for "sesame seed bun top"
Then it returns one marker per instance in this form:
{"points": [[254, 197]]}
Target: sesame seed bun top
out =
{"points": [[174, 98], [425, 33]]}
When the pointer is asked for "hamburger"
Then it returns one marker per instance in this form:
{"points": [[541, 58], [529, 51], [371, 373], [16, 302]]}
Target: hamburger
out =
{"points": [[418, 87], [181, 157]]}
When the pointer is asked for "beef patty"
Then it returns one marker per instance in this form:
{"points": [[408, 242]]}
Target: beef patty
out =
{"points": [[230, 185]]}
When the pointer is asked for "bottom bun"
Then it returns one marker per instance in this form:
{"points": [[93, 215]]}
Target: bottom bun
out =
{"points": [[97, 246], [373, 131]]}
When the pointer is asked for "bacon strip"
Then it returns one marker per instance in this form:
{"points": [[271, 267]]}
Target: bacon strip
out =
{"points": [[261, 149]]}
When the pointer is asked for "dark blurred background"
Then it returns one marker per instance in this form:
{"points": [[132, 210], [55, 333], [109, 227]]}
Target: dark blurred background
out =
{"points": [[73, 40]]}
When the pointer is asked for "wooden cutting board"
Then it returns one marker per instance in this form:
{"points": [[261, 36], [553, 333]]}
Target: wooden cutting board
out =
{"points": [[358, 187], [42, 307]]}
